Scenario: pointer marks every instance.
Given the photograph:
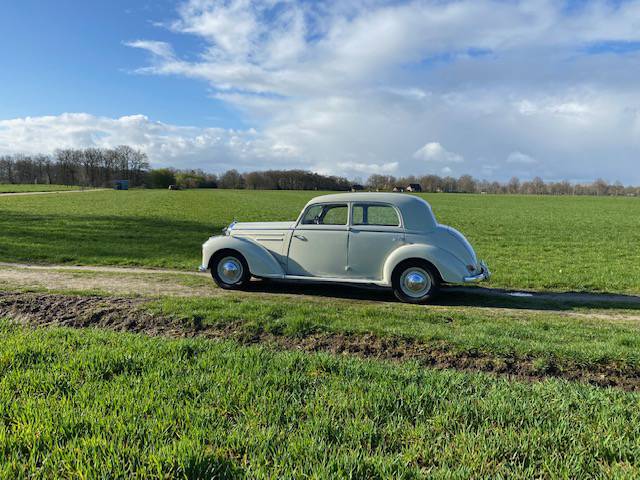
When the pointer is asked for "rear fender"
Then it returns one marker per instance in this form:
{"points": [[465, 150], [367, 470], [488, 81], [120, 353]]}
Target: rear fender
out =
{"points": [[450, 268], [261, 262]]}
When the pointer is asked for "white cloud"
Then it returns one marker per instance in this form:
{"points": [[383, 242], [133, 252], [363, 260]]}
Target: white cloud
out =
{"points": [[434, 152], [161, 49], [368, 168], [344, 85], [167, 145], [521, 158]]}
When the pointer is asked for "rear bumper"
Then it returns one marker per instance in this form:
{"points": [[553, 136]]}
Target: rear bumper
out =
{"points": [[484, 274]]}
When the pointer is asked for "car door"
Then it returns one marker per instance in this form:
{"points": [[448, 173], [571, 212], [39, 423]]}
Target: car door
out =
{"points": [[376, 230], [318, 245]]}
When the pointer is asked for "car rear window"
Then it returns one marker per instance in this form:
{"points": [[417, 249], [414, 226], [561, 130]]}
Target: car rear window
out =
{"points": [[373, 214]]}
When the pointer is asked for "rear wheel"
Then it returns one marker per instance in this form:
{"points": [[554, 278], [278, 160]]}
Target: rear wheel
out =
{"points": [[414, 282], [230, 271]]}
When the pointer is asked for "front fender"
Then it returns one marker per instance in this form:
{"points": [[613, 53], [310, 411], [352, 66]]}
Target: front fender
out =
{"points": [[261, 262], [451, 269]]}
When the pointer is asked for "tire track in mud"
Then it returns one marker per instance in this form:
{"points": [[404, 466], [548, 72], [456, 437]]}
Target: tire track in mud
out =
{"points": [[129, 315]]}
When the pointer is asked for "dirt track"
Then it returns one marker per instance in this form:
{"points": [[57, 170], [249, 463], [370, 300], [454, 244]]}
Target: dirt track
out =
{"points": [[152, 282], [13, 194]]}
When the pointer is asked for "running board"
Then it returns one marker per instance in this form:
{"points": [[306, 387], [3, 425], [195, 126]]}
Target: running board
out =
{"points": [[359, 281]]}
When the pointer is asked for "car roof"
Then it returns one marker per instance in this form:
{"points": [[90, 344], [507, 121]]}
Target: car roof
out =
{"points": [[416, 212]]}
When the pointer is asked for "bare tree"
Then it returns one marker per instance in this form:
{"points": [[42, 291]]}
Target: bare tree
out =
{"points": [[514, 185]]}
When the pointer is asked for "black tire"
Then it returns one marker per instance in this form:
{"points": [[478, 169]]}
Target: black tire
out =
{"points": [[413, 292], [231, 281]]}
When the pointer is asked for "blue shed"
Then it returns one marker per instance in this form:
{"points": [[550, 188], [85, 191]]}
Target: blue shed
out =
{"points": [[121, 185]]}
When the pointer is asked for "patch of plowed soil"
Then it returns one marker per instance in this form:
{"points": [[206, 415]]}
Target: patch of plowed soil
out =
{"points": [[128, 314]]}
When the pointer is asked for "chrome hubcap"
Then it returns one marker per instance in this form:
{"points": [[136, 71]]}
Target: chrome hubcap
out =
{"points": [[230, 270], [415, 282]]}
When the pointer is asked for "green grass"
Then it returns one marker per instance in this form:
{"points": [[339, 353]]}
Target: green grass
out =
{"points": [[89, 404], [27, 187], [562, 340], [564, 243]]}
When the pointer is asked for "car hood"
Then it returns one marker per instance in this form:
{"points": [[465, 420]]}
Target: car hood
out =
{"points": [[457, 244]]}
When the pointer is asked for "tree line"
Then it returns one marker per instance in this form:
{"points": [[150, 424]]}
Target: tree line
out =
{"points": [[100, 167], [257, 180], [468, 184], [91, 167], [304, 180]]}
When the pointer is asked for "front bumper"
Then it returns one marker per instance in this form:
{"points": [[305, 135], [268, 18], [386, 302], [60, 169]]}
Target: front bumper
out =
{"points": [[484, 274]]}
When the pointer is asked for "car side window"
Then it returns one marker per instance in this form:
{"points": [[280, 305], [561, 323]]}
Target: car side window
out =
{"points": [[326, 215], [373, 214]]}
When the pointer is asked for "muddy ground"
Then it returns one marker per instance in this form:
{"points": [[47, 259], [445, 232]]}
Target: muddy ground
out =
{"points": [[129, 314]]}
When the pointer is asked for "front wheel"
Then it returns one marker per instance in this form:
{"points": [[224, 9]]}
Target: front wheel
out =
{"points": [[230, 271], [414, 282]]}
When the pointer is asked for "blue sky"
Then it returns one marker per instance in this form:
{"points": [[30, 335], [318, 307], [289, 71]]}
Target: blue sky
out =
{"points": [[70, 56], [492, 88]]}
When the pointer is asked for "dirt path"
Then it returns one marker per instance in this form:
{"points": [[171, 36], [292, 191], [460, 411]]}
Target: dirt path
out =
{"points": [[155, 282], [96, 268], [112, 280], [14, 194]]}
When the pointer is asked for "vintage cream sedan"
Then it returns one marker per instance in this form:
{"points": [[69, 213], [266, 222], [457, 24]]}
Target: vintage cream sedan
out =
{"points": [[384, 239]]}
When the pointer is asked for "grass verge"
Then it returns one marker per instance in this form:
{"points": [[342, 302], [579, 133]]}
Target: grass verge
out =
{"points": [[532, 345], [552, 338]]}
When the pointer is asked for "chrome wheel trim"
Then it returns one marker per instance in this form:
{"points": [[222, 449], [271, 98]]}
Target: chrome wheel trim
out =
{"points": [[415, 282], [230, 270]]}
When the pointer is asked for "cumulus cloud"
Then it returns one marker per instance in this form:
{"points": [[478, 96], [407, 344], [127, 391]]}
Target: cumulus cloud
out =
{"points": [[350, 86], [166, 145], [434, 152]]}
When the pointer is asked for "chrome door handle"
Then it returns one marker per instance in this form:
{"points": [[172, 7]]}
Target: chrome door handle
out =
{"points": [[301, 237]]}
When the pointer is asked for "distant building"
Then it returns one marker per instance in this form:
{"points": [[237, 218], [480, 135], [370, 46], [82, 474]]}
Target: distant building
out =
{"points": [[357, 187], [121, 184], [414, 187]]}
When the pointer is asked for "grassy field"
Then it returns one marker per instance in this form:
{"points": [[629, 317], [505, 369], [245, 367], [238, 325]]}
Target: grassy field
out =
{"points": [[88, 404], [563, 243], [18, 188]]}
